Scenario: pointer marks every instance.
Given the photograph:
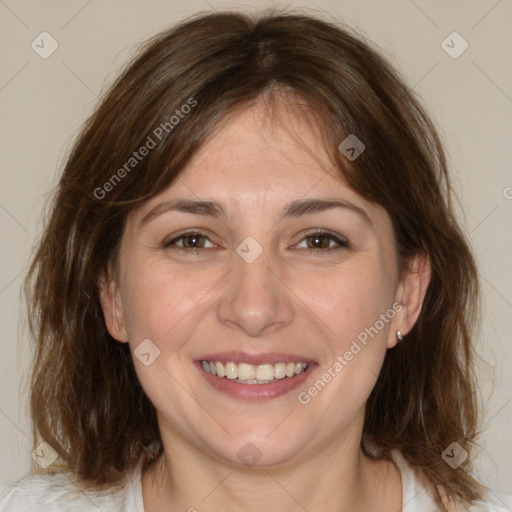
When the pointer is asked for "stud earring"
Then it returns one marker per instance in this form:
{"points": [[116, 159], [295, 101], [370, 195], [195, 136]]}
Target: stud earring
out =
{"points": [[399, 336]]}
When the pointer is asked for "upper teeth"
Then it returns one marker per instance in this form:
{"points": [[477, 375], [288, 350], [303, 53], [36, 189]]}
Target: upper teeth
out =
{"points": [[249, 372]]}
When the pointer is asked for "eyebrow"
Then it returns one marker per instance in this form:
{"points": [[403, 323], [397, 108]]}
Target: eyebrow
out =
{"points": [[216, 210]]}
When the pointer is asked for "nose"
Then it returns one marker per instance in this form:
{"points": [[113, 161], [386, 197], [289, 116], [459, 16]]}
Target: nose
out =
{"points": [[254, 298]]}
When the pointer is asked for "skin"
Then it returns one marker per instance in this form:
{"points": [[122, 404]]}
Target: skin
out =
{"points": [[291, 299]]}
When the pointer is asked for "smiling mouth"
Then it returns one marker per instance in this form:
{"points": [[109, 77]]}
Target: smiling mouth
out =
{"points": [[245, 373]]}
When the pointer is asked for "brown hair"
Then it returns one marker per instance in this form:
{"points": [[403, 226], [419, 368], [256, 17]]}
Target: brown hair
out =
{"points": [[86, 400]]}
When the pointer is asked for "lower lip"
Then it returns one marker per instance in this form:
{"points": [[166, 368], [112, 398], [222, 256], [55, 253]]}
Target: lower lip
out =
{"points": [[255, 391]]}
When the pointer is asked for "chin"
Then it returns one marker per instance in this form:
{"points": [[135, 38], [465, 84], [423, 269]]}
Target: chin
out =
{"points": [[256, 448]]}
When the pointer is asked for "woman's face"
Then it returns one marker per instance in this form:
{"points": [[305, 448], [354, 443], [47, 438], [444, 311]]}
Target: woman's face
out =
{"points": [[257, 259]]}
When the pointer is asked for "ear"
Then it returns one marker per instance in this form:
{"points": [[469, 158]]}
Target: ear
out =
{"points": [[112, 307], [410, 295]]}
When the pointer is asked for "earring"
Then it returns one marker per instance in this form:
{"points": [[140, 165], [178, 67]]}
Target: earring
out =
{"points": [[399, 336]]}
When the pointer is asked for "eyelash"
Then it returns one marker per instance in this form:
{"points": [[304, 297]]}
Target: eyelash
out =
{"points": [[342, 243]]}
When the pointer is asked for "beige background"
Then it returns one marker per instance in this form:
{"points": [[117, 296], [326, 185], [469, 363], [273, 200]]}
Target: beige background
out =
{"points": [[43, 102]]}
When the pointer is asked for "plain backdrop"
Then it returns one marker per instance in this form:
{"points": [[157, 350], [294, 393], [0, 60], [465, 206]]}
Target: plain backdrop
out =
{"points": [[44, 101]]}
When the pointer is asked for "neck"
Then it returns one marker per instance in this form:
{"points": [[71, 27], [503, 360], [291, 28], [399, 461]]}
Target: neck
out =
{"points": [[342, 478]]}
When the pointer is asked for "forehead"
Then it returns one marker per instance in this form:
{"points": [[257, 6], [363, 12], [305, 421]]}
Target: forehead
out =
{"points": [[264, 148], [261, 159]]}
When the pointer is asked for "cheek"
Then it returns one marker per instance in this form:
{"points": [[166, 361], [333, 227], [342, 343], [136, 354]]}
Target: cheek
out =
{"points": [[350, 299], [158, 302], [356, 306], [163, 307]]}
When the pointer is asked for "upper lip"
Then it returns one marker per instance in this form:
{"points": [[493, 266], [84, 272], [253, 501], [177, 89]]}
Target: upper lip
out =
{"points": [[254, 359]]}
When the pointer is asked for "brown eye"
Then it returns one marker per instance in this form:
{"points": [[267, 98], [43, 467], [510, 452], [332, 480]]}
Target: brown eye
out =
{"points": [[318, 242], [190, 241], [193, 241], [322, 240]]}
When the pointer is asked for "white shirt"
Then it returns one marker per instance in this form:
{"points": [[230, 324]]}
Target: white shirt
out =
{"points": [[59, 493]]}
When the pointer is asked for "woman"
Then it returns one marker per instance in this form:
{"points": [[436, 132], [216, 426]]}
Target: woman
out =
{"points": [[252, 285]]}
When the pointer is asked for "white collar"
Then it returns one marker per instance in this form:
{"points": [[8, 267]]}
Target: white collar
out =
{"points": [[415, 495]]}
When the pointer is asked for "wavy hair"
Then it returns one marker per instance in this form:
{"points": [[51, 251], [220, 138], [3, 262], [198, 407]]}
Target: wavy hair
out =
{"points": [[86, 400]]}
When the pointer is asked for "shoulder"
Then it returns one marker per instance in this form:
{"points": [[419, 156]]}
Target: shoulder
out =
{"points": [[419, 494], [58, 492], [491, 502]]}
